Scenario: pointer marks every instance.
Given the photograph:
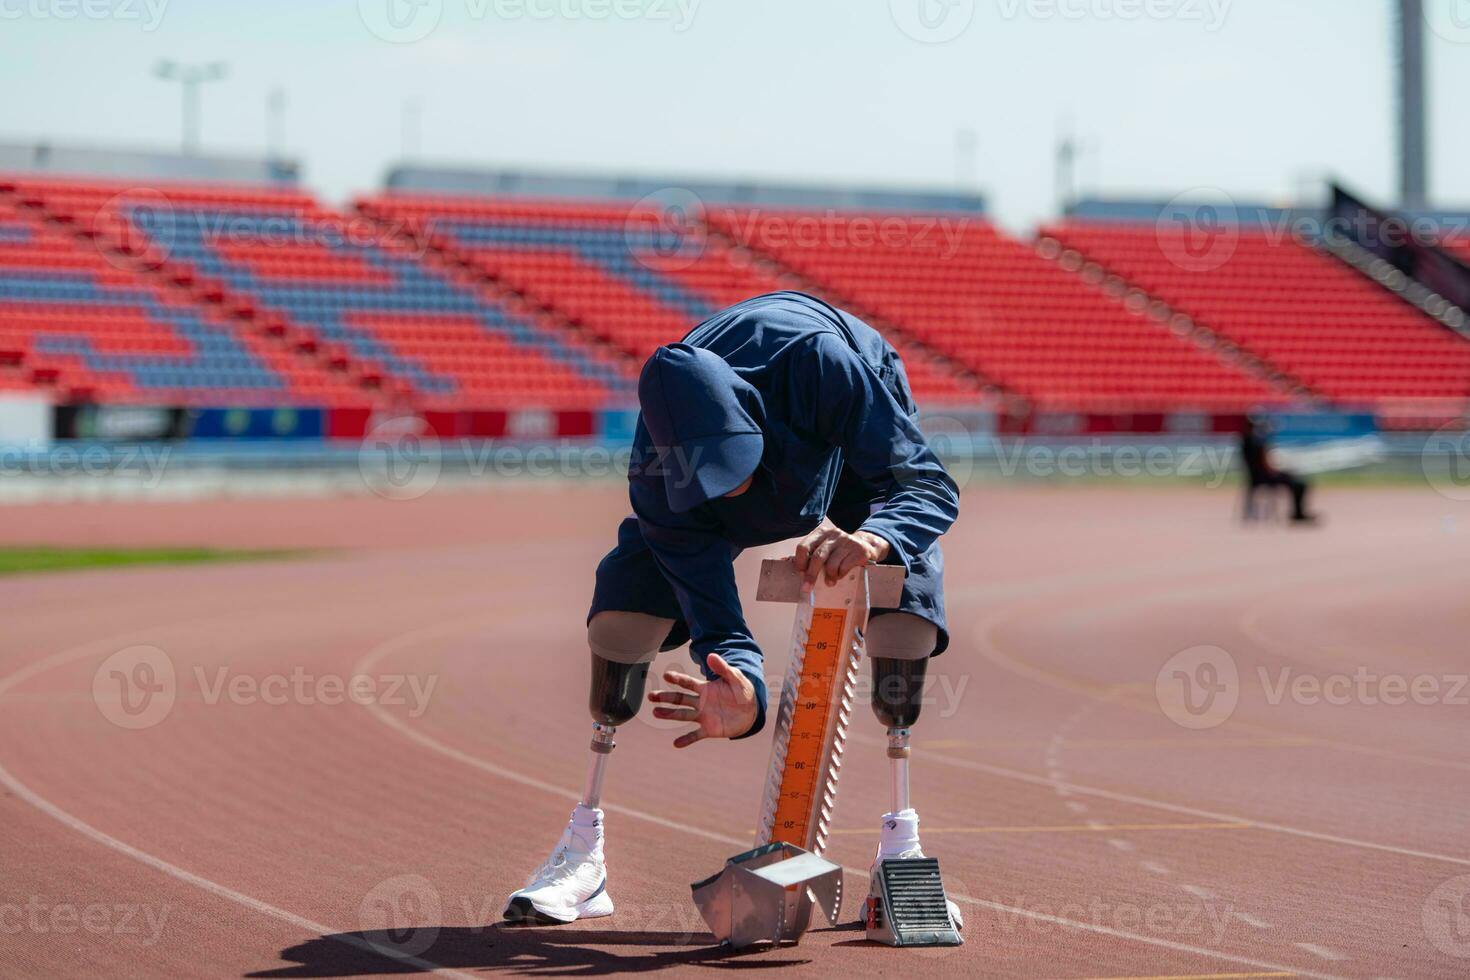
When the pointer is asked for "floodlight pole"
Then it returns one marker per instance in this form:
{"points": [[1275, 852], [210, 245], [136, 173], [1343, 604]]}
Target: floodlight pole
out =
{"points": [[1413, 127], [190, 78], [275, 137]]}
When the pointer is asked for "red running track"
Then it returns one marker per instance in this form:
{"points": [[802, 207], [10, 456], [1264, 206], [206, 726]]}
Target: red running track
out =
{"points": [[1085, 833]]}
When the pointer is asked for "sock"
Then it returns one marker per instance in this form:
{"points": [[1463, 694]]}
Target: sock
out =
{"points": [[586, 826], [900, 834]]}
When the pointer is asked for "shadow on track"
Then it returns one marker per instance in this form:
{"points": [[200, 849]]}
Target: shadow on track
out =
{"points": [[520, 950]]}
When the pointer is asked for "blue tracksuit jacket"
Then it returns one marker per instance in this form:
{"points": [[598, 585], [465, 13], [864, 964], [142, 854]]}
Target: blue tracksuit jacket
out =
{"points": [[840, 439]]}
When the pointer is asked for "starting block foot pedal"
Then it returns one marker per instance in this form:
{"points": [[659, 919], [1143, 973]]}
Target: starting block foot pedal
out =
{"points": [[907, 905], [767, 895]]}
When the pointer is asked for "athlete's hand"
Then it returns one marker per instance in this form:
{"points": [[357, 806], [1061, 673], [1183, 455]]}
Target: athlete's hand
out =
{"points": [[832, 550], [722, 708]]}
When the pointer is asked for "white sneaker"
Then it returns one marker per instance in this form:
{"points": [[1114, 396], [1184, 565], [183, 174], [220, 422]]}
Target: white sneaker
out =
{"points": [[899, 838], [572, 884]]}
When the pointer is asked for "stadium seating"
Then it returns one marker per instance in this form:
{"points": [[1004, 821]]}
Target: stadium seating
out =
{"points": [[1348, 340], [358, 299], [634, 276], [75, 318], [199, 294], [992, 304]]}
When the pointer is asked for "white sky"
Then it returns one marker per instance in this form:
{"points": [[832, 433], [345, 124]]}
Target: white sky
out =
{"points": [[1252, 96]]}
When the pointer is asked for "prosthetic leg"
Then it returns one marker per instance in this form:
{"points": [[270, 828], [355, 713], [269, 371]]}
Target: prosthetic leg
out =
{"points": [[617, 692], [906, 903], [572, 884]]}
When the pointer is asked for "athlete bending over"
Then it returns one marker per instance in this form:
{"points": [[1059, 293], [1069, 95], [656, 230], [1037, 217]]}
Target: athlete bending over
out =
{"points": [[780, 417]]}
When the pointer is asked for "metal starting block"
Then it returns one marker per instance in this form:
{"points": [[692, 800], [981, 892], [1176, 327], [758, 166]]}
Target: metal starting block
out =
{"points": [[907, 906], [767, 894]]}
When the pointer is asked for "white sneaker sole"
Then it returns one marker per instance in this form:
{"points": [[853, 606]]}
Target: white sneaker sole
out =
{"points": [[522, 910]]}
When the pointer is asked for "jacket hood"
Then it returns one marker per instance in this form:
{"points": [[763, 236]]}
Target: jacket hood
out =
{"points": [[705, 441]]}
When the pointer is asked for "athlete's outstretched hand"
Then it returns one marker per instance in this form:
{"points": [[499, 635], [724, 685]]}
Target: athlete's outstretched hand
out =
{"points": [[832, 550], [722, 708]]}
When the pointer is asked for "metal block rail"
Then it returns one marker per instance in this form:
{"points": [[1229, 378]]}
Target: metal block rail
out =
{"points": [[767, 894], [816, 697]]}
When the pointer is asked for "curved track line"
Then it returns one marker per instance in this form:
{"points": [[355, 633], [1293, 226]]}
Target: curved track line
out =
{"points": [[24, 792], [1108, 794], [984, 637], [408, 640]]}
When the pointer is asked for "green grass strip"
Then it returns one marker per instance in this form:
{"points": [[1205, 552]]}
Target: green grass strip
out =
{"points": [[14, 561]]}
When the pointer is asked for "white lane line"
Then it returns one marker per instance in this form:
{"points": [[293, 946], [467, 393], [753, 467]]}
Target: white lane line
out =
{"points": [[1119, 844], [1253, 921], [1076, 806], [413, 638], [24, 792], [1106, 794], [1322, 952], [1200, 892], [1155, 867]]}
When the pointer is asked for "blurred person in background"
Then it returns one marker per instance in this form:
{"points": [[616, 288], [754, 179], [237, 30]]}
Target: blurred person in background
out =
{"points": [[1255, 455]]}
